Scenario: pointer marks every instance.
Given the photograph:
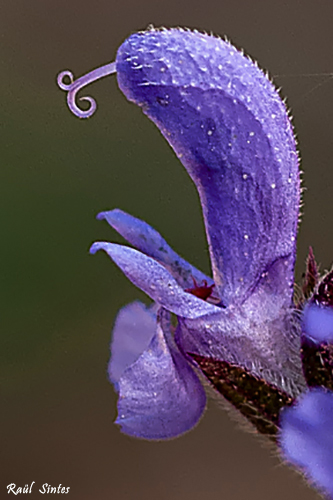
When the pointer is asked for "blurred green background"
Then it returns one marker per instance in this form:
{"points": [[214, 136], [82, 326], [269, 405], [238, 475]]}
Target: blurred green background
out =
{"points": [[58, 303]]}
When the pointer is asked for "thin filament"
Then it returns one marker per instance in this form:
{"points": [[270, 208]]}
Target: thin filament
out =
{"points": [[75, 85]]}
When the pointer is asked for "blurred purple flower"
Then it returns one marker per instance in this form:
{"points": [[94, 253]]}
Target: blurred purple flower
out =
{"points": [[307, 437], [318, 323], [230, 129]]}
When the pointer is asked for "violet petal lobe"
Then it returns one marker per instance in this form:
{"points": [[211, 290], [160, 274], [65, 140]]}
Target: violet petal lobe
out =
{"points": [[307, 437], [160, 396], [133, 331], [155, 280], [146, 239], [230, 129]]}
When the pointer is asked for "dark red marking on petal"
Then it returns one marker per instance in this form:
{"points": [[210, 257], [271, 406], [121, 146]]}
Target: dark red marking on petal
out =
{"points": [[256, 400], [203, 291]]}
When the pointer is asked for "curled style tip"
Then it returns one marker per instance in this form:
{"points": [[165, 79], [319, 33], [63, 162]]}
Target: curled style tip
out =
{"points": [[74, 86]]}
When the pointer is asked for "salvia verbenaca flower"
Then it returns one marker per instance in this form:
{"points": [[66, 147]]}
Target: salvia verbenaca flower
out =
{"points": [[242, 330]]}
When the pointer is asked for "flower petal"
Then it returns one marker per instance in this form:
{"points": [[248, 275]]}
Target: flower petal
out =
{"points": [[307, 436], [318, 322], [230, 129], [160, 396], [154, 279], [133, 331], [146, 239]]}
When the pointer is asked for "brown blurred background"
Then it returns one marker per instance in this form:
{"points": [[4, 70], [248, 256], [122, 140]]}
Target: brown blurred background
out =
{"points": [[59, 303]]}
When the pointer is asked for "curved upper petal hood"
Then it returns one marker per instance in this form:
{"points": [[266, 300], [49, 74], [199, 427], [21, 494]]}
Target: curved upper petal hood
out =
{"points": [[230, 129]]}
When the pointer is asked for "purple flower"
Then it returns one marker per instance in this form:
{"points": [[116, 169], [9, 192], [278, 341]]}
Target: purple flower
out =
{"points": [[307, 437], [230, 129], [239, 329]]}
